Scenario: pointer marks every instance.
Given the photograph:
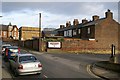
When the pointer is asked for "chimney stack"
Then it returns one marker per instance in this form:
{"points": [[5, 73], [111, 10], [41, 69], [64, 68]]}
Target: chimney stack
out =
{"points": [[95, 17], [75, 22], [109, 14], [84, 20], [62, 26], [68, 24]]}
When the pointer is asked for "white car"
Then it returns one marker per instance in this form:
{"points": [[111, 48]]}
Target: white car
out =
{"points": [[25, 64]]}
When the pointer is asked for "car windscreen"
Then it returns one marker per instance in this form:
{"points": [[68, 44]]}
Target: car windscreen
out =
{"points": [[24, 59], [5, 46], [14, 50]]}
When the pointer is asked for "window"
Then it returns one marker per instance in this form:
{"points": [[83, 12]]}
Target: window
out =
{"points": [[70, 33], [10, 33], [27, 59], [14, 34], [0, 33], [4, 33], [88, 30], [65, 33], [74, 32], [15, 29], [79, 31]]}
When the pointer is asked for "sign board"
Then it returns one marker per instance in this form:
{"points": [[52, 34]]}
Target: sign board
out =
{"points": [[54, 44]]}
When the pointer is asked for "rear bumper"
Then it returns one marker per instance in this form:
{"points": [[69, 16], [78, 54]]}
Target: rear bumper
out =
{"points": [[26, 72]]}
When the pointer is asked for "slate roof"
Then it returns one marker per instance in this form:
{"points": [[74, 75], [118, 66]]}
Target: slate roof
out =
{"points": [[80, 25], [3, 27], [93, 22], [14, 26]]}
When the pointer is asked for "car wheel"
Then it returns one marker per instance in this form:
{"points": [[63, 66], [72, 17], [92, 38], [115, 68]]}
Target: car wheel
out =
{"points": [[5, 59], [38, 73], [10, 66], [2, 54]]}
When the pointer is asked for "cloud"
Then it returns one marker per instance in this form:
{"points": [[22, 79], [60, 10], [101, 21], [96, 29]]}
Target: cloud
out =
{"points": [[53, 13], [60, 1], [66, 8], [0, 8]]}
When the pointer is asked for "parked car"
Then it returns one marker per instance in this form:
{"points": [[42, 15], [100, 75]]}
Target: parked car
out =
{"points": [[4, 46], [25, 64], [10, 52]]}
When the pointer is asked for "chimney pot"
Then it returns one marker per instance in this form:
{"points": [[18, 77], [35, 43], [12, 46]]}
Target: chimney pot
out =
{"points": [[84, 20], [62, 26], [68, 24], [109, 14], [75, 22], [95, 17]]}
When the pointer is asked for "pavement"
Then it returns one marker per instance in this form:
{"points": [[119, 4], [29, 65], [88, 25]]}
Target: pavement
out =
{"points": [[5, 73], [110, 72]]}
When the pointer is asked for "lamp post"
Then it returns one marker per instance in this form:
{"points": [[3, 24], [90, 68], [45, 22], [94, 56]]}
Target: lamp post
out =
{"points": [[1, 28], [40, 42]]}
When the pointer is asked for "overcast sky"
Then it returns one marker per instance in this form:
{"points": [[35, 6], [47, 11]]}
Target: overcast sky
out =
{"points": [[53, 13]]}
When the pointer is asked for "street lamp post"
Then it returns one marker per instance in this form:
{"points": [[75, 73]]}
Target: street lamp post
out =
{"points": [[1, 28], [40, 42]]}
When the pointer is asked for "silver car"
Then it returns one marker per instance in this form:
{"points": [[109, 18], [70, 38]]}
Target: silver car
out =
{"points": [[25, 64]]}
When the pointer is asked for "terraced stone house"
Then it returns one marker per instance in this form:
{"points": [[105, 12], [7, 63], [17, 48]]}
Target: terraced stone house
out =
{"points": [[103, 31]]}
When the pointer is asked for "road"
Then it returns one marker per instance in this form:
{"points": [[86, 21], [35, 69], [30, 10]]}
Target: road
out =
{"points": [[64, 65], [56, 65], [68, 65]]}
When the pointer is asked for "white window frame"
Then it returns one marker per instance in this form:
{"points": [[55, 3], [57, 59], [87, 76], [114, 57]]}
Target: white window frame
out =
{"points": [[10, 33], [14, 34], [74, 32], [15, 29], [70, 33], [79, 31], [4, 33], [65, 33], [89, 30]]}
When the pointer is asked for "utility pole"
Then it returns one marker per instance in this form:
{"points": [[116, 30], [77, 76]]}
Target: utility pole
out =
{"points": [[1, 28], [40, 42]]}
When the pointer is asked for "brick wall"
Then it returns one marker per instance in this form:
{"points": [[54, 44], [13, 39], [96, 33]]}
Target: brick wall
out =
{"points": [[7, 40], [107, 34], [77, 45], [70, 45], [36, 45], [30, 44]]}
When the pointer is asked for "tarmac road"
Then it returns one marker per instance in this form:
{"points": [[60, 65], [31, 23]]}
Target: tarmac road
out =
{"points": [[56, 65]]}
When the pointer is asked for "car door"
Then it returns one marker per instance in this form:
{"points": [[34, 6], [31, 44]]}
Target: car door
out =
{"points": [[14, 62]]}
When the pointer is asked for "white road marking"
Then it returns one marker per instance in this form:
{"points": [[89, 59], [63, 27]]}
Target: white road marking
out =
{"points": [[45, 76]]}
